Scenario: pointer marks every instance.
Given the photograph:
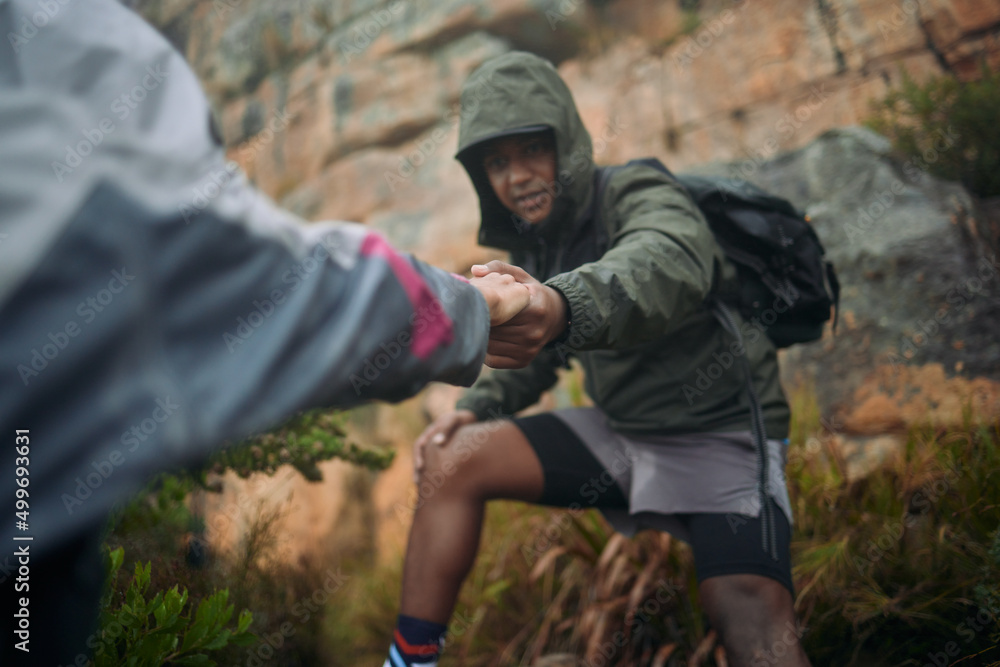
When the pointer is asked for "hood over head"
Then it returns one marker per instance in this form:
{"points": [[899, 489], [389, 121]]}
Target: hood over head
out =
{"points": [[514, 93]]}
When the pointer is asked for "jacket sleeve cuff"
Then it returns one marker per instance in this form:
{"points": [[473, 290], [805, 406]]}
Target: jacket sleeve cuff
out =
{"points": [[576, 311]]}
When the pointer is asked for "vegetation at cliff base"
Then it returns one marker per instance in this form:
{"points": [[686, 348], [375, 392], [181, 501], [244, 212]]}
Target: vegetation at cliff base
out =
{"points": [[946, 127]]}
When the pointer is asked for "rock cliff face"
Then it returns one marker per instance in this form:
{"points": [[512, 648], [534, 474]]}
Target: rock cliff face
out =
{"points": [[347, 110]]}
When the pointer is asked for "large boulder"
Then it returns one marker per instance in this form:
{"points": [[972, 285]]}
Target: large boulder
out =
{"points": [[917, 338]]}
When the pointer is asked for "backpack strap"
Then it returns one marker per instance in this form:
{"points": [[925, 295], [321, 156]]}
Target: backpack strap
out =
{"points": [[834, 284], [768, 532], [728, 322]]}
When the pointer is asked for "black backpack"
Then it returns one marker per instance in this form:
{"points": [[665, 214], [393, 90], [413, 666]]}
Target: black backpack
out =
{"points": [[786, 286]]}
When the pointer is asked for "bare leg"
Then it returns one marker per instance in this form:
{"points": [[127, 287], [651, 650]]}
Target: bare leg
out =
{"points": [[755, 617], [483, 461]]}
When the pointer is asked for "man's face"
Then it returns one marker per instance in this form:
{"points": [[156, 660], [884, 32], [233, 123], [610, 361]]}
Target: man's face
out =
{"points": [[522, 171]]}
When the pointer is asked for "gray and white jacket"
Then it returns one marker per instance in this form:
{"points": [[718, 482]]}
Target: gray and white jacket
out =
{"points": [[153, 304]]}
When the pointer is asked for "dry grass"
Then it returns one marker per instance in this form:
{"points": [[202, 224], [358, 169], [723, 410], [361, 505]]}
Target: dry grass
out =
{"points": [[886, 570]]}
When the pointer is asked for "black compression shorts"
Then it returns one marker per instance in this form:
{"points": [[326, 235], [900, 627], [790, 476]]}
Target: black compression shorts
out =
{"points": [[722, 543]]}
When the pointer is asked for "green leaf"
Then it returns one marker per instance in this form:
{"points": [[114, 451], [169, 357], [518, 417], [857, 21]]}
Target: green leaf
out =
{"points": [[246, 618], [210, 615], [117, 558], [158, 609], [171, 624], [219, 641], [152, 649], [494, 590]]}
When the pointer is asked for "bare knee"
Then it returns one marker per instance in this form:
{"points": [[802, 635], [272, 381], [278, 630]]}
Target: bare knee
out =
{"points": [[744, 608], [745, 589], [483, 461], [455, 467]]}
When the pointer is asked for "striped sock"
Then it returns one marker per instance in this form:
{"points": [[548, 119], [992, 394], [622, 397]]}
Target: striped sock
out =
{"points": [[415, 643]]}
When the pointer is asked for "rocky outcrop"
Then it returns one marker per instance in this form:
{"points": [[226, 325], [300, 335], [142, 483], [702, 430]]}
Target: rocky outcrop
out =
{"points": [[347, 110], [920, 299]]}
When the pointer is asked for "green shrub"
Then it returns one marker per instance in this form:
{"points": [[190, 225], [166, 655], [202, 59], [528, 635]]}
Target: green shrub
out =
{"points": [[946, 127], [164, 541], [141, 632], [304, 441]]}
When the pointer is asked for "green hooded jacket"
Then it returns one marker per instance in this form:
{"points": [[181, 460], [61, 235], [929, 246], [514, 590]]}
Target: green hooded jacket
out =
{"points": [[635, 269]]}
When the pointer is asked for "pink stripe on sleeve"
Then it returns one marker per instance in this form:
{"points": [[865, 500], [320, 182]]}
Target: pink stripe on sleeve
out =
{"points": [[437, 329]]}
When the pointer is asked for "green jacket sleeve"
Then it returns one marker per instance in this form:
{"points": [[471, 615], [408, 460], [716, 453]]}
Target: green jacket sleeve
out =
{"points": [[658, 270], [502, 393]]}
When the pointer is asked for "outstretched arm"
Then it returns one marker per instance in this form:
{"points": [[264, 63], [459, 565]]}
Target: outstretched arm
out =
{"points": [[154, 305]]}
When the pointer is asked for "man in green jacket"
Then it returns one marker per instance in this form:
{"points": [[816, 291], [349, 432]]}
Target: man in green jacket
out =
{"points": [[667, 445]]}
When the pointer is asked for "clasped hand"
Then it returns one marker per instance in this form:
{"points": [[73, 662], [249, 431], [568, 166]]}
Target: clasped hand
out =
{"points": [[524, 323]]}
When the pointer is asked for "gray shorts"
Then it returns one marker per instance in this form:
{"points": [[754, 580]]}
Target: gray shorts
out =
{"points": [[662, 476]]}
